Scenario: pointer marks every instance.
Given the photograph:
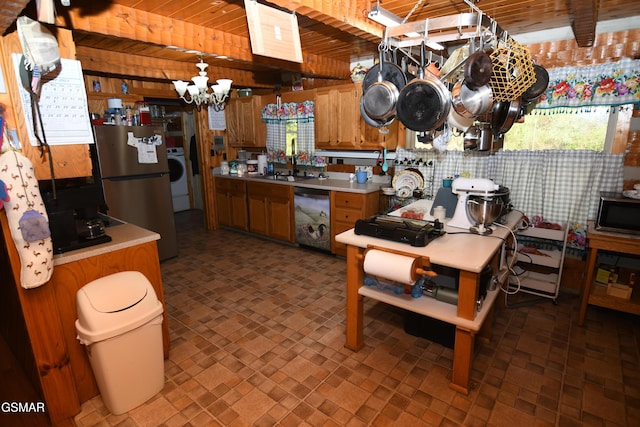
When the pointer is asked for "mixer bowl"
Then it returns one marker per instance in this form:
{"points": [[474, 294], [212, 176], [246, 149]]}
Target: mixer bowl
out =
{"points": [[484, 210]]}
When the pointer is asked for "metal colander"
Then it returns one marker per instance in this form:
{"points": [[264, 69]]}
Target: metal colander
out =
{"points": [[512, 73]]}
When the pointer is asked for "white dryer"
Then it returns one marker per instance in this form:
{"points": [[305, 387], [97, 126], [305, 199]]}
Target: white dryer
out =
{"points": [[178, 177]]}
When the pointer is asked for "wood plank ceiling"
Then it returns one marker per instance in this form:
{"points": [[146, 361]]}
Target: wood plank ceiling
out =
{"points": [[112, 36]]}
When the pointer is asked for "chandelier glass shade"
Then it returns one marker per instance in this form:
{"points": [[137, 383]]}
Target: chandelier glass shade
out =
{"points": [[198, 92]]}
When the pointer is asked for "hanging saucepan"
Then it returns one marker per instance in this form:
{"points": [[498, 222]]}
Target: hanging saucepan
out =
{"points": [[379, 100], [504, 114], [471, 102], [485, 137], [539, 86], [458, 121], [477, 70], [380, 124], [424, 103]]}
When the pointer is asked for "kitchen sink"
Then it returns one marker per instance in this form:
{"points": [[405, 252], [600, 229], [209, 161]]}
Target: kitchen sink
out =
{"points": [[289, 178]]}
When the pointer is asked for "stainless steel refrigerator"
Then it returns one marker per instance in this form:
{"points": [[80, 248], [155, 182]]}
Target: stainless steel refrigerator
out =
{"points": [[135, 178]]}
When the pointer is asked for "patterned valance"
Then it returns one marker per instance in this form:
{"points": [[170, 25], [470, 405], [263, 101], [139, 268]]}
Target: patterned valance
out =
{"points": [[301, 111], [610, 84]]}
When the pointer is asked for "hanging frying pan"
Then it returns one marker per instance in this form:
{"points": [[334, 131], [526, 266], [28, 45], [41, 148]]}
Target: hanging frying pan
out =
{"points": [[372, 122], [390, 73], [424, 103], [539, 86], [504, 115], [379, 99]]}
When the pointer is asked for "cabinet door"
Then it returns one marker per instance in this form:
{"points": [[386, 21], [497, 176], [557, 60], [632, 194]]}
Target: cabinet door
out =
{"points": [[233, 125], [246, 122], [324, 118], [257, 214], [348, 115], [279, 214], [238, 202]]}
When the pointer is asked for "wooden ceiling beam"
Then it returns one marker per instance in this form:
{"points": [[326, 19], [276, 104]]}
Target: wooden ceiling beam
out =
{"points": [[584, 16], [128, 23], [99, 61]]}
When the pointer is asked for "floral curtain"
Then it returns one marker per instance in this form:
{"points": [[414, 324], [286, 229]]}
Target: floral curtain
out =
{"points": [[277, 117], [611, 84]]}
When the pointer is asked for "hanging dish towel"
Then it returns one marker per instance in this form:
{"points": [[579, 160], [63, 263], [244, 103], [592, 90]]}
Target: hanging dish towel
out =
{"points": [[27, 219]]}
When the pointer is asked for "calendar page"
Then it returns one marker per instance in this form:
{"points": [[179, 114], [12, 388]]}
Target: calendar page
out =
{"points": [[63, 106]]}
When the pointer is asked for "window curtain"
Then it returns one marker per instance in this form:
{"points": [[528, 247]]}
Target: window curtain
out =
{"points": [[555, 185], [277, 118], [611, 84]]}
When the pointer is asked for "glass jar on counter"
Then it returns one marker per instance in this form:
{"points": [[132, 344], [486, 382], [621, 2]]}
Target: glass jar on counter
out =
{"points": [[224, 168]]}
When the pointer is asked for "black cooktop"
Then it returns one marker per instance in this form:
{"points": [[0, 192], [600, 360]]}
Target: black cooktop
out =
{"points": [[414, 232]]}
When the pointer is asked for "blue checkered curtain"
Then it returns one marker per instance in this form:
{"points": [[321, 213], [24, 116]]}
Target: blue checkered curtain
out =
{"points": [[558, 185]]}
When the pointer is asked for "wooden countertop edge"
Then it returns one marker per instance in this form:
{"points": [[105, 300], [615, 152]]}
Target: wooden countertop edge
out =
{"points": [[122, 235]]}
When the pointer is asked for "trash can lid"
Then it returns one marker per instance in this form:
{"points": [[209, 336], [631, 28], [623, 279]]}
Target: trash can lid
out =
{"points": [[115, 304]]}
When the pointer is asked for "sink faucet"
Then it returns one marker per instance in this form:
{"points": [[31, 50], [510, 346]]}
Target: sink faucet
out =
{"points": [[293, 157]]}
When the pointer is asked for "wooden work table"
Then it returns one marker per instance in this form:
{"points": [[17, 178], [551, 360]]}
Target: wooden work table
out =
{"points": [[594, 294], [469, 253], [39, 323]]}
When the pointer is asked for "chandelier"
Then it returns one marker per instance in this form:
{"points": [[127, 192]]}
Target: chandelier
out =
{"points": [[198, 91]]}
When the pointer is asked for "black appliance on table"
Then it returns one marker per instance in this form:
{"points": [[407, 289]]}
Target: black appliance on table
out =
{"points": [[74, 218], [404, 230]]}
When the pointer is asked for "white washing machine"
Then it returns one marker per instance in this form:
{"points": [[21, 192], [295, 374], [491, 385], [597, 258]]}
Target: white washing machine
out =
{"points": [[178, 176]]}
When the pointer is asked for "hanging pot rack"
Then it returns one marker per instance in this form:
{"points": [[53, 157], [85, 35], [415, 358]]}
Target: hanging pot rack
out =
{"points": [[445, 30]]}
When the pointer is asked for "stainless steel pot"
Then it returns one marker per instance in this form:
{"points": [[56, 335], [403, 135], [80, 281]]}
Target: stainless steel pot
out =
{"points": [[485, 138], [380, 98], [424, 103], [471, 102]]}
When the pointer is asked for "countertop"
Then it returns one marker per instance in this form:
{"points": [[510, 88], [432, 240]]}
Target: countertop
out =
{"points": [[334, 184], [458, 248], [123, 235]]}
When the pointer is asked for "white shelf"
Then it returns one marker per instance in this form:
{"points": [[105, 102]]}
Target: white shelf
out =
{"points": [[549, 258], [534, 282], [431, 307]]}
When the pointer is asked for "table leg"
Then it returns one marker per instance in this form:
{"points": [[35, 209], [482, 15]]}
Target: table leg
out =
{"points": [[588, 282], [462, 355], [355, 306]]}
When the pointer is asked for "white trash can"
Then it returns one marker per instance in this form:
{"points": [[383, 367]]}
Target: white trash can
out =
{"points": [[120, 322]]}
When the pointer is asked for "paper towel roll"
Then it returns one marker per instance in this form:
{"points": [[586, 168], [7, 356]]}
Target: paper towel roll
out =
{"points": [[390, 266], [262, 164], [113, 103]]}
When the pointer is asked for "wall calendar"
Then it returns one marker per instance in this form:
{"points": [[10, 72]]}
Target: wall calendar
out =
{"points": [[63, 106]]}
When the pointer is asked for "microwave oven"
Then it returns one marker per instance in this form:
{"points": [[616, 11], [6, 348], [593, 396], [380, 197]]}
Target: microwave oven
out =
{"points": [[618, 214]]}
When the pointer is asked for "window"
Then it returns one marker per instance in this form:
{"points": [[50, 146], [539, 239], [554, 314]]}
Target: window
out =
{"points": [[575, 129]]}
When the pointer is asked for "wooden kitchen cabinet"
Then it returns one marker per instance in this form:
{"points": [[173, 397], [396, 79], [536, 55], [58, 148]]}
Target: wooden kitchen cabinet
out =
{"points": [[337, 117], [231, 203], [271, 210], [244, 124], [346, 209]]}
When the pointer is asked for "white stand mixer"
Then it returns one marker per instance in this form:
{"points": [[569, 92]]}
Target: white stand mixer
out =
{"points": [[465, 187]]}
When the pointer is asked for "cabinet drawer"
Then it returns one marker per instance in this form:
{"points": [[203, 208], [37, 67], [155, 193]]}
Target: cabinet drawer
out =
{"points": [[348, 215], [349, 200], [232, 185], [269, 191]]}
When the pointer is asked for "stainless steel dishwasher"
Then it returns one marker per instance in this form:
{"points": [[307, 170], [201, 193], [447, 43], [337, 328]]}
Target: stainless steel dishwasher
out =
{"points": [[312, 217]]}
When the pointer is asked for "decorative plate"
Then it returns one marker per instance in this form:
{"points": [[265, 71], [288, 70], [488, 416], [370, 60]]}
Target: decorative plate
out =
{"points": [[408, 178], [632, 194], [404, 192]]}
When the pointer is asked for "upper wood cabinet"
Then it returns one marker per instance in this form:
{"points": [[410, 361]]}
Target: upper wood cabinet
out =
{"points": [[337, 117], [245, 127], [339, 124]]}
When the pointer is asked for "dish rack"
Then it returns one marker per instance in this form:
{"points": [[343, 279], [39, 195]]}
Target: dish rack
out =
{"points": [[427, 170]]}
